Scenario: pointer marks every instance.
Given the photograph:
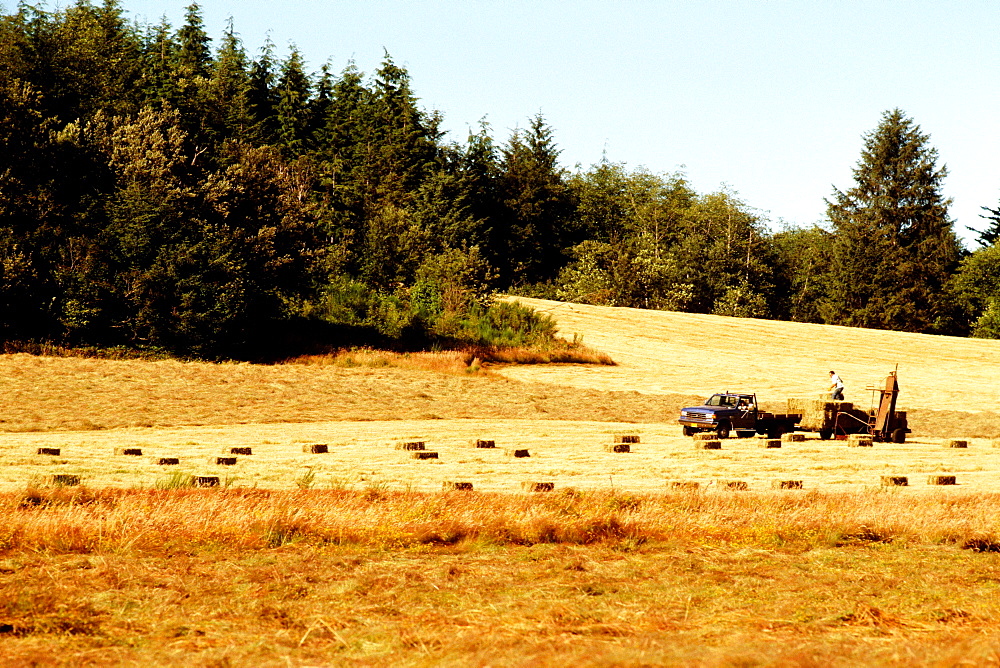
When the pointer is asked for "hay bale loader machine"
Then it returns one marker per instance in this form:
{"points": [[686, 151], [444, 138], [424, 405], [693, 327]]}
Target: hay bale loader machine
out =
{"points": [[839, 419]]}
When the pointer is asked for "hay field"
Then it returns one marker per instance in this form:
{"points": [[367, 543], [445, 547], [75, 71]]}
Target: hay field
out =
{"points": [[685, 353], [362, 405], [570, 454]]}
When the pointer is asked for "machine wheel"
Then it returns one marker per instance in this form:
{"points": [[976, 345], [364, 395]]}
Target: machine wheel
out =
{"points": [[825, 434], [745, 433], [689, 431], [899, 436], [722, 430]]}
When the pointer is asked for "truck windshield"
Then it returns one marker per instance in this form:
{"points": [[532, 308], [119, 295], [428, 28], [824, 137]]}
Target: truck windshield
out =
{"points": [[721, 400]]}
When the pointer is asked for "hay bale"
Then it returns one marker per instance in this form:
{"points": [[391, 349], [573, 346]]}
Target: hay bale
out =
{"points": [[704, 436], [457, 486], [685, 484], [166, 461], [411, 446], [65, 480], [423, 454], [941, 480], [895, 481], [485, 444], [769, 443], [316, 448], [618, 447], [134, 452], [793, 438], [787, 484], [205, 481], [859, 441], [735, 485], [222, 461], [516, 453], [956, 443], [626, 438], [241, 451], [818, 414], [54, 452], [714, 444], [538, 486]]}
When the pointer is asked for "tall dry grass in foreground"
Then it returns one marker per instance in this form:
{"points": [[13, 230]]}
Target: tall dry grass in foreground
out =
{"points": [[244, 577], [84, 521]]}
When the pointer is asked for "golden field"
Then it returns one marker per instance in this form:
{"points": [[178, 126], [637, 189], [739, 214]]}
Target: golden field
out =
{"points": [[356, 557]]}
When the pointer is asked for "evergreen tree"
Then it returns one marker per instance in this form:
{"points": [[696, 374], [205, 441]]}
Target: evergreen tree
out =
{"points": [[292, 111], [537, 205], [895, 244], [991, 234], [228, 102], [263, 96], [194, 56]]}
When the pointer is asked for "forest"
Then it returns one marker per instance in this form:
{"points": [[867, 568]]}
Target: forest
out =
{"points": [[161, 189]]}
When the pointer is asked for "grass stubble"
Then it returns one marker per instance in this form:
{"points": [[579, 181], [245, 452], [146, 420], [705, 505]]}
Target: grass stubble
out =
{"points": [[297, 561], [377, 577]]}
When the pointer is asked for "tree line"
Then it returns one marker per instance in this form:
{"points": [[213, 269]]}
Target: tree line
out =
{"points": [[159, 189]]}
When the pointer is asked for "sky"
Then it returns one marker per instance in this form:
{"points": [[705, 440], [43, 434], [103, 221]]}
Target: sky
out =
{"points": [[768, 99]]}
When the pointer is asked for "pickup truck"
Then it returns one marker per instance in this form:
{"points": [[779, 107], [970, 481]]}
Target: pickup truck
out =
{"points": [[738, 412]]}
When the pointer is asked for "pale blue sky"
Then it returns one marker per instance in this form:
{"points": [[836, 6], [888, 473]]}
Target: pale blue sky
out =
{"points": [[768, 97]]}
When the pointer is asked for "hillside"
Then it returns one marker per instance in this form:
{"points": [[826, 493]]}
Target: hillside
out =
{"points": [[661, 352]]}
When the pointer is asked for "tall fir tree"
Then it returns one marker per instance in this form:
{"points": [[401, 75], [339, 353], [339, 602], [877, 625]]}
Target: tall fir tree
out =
{"points": [[991, 234], [292, 111], [895, 244], [537, 204]]}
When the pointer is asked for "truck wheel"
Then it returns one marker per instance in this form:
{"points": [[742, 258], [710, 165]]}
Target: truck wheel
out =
{"points": [[775, 433], [689, 431], [825, 434], [740, 433], [899, 436], [722, 430]]}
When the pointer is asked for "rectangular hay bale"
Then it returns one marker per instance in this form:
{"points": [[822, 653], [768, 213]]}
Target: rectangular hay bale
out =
{"points": [[134, 452], [895, 481], [956, 443], [65, 480], [626, 438], [240, 451], [316, 448], [222, 461], [166, 461], [457, 486], [735, 485], [485, 444], [423, 454], [205, 481], [714, 444], [941, 480], [859, 441], [787, 484], [685, 484], [411, 446], [793, 438], [538, 486], [516, 453], [705, 436], [618, 447], [769, 442], [54, 452]]}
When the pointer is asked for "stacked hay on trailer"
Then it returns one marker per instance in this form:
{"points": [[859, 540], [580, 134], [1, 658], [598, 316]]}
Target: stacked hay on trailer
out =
{"points": [[818, 414]]}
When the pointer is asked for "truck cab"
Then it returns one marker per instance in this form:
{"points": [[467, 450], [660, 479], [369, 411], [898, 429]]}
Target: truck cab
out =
{"points": [[722, 413]]}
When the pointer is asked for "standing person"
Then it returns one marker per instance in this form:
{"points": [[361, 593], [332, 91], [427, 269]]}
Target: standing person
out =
{"points": [[837, 387]]}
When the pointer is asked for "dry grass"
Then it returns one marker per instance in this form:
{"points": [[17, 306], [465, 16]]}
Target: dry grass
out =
{"points": [[646, 558], [247, 577], [569, 453]]}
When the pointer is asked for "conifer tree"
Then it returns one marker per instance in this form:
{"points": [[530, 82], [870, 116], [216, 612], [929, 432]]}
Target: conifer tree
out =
{"points": [[537, 206], [194, 56], [292, 111], [895, 244]]}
